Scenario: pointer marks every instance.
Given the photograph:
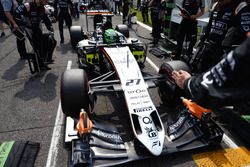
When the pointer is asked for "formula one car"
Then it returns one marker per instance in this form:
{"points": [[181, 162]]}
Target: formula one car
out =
{"points": [[91, 55], [93, 140]]}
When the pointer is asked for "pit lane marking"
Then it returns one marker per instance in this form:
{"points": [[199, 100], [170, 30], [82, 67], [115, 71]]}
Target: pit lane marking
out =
{"points": [[54, 145], [229, 142]]}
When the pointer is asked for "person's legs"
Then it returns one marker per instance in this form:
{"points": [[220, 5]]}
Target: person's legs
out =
{"points": [[210, 57], [116, 6], [68, 20], [192, 37], [146, 15], [157, 30], [76, 9], [180, 40], [21, 48], [143, 14], [37, 38], [125, 13], [60, 24]]}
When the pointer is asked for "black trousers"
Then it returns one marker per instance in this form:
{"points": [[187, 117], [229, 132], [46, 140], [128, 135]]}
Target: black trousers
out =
{"points": [[76, 9], [125, 10], [117, 5], [156, 27], [49, 44], [21, 48], [63, 15], [211, 56], [144, 13], [188, 29], [37, 42]]}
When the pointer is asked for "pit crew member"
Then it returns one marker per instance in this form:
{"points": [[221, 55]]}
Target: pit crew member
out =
{"points": [[35, 13]]}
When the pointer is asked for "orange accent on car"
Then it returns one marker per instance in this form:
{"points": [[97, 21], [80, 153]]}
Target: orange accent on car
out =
{"points": [[84, 124], [195, 109]]}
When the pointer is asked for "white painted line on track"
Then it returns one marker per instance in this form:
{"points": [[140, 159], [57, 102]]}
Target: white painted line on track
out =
{"points": [[152, 64], [54, 144], [227, 140], [144, 25]]}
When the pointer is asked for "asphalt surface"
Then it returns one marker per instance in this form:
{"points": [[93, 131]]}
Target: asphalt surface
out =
{"points": [[29, 104]]}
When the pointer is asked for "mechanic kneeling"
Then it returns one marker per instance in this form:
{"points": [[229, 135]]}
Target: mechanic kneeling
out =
{"points": [[34, 13]]}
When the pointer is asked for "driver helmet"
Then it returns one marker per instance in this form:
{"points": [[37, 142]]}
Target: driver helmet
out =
{"points": [[110, 36]]}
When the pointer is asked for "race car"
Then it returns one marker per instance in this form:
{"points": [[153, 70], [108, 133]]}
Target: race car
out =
{"points": [[93, 140], [90, 50]]}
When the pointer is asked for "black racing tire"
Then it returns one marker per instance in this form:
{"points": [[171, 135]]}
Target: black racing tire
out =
{"points": [[74, 92], [122, 28], [168, 91], [76, 35]]}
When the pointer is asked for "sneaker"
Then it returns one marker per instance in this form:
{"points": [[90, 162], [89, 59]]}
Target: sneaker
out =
{"points": [[2, 35]]}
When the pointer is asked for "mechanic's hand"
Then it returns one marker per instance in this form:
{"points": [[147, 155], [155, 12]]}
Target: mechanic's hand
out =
{"points": [[181, 14], [180, 77], [193, 17], [15, 27]]}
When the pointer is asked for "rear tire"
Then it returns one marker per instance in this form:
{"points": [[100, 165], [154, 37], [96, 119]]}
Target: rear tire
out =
{"points": [[76, 35], [74, 92], [168, 91], [122, 28]]}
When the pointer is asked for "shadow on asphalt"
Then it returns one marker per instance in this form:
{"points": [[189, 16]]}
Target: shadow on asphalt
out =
{"points": [[64, 48], [11, 73], [36, 87]]}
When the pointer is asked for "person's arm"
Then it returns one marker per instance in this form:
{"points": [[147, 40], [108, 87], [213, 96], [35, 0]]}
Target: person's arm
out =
{"points": [[47, 21], [225, 83], [150, 3], [243, 14], [7, 7], [11, 19], [20, 11], [162, 11], [200, 12], [71, 3]]}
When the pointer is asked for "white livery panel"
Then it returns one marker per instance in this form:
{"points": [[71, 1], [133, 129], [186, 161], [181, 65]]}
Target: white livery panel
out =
{"points": [[146, 123]]}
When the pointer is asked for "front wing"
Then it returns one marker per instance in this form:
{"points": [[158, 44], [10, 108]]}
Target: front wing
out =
{"points": [[104, 146]]}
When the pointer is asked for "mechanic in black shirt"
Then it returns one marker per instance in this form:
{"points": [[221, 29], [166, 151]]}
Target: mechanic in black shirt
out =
{"points": [[188, 25], [226, 83], [64, 8], [228, 24], [34, 13], [157, 13]]}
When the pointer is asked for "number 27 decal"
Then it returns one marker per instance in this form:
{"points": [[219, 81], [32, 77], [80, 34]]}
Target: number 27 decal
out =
{"points": [[131, 82]]}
